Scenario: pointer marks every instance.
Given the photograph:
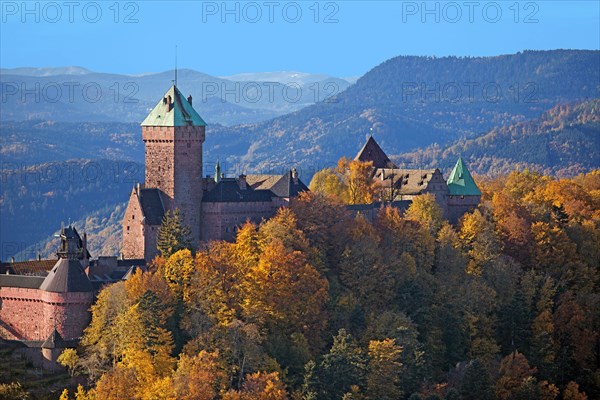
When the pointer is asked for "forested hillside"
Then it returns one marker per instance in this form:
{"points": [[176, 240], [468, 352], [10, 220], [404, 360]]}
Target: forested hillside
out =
{"points": [[35, 200], [563, 141], [317, 303], [412, 102]]}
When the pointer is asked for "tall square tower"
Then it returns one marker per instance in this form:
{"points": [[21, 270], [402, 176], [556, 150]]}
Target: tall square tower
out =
{"points": [[173, 135]]}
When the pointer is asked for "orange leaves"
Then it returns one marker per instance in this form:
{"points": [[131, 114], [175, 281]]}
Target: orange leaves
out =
{"points": [[351, 182], [259, 386], [285, 289]]}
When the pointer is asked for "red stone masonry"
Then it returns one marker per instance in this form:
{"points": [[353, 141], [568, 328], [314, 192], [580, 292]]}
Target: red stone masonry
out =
{"points": [[32, 314], [174, 165]]}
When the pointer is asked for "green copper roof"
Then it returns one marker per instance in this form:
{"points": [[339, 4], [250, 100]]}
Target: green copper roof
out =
{"points": [[181, 112], [460, 182]]}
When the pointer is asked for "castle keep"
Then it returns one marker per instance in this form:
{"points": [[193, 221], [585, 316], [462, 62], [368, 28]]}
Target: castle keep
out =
{"points": [[213, 207]]}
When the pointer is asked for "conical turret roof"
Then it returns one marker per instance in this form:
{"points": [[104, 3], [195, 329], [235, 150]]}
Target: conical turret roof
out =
{"points": [[67, 275], [460, 182]]}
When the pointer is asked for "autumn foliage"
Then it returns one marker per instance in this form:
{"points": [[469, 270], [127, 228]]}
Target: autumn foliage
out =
{"points": [[320, 303]]}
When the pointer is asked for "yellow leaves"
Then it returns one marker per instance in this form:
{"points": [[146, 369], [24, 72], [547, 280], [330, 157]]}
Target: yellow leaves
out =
{"points": [[284, 288], [553, 246], [327, 182], [357, 176], [425, 210], [259, 386], [80, 394], [385, 352], [479, 238], [117, 384], [158, 389], [384, 369], [351, 182], [200, 377], [178, 271], [69, 359]]}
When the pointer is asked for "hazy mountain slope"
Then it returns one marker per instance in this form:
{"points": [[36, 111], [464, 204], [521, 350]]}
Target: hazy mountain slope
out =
{"points": [[73, 94], [405, 103], [103, 228], [563, 141], [35, 200]]}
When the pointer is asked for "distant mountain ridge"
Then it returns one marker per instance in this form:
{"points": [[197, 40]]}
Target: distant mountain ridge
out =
{"points": [[408, 102], [75, 94], [45, 71]]}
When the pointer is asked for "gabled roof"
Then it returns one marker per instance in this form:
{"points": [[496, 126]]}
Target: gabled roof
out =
{"points": [[228, 191], [31, 267], [460, 182], [372, 152], [262, 181], [55, 341], [67, 276], [181, 112], [286, 187], [152, 206], [405, 181]]}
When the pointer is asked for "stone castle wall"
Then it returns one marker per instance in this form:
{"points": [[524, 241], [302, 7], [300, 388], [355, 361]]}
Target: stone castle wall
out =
{"points": [[458, 206], [220, 221], [32, 314], [150, 237]]}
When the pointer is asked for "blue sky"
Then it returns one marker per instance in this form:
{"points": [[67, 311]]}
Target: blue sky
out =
{"points": [[340, 38]]}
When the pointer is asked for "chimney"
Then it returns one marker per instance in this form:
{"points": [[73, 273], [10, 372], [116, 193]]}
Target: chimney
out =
{"points": [[190, 99], [12, 259], [39, 257], [169, 102], [295, 175], [242, 182]]}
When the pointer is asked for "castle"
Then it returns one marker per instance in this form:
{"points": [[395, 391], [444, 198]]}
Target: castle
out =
{"points": [[455, 196], [212, 207], [44, 304]]}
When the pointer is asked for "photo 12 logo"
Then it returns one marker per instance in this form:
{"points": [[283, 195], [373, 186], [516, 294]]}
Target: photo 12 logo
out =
{"points": [[453, 12], [69, 92], [270, 92], [72, 172], [469, 92], [253, 12], [53, 12]]}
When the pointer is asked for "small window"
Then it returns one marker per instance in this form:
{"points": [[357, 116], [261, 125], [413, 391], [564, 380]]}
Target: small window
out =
{"points": [[189, 145], [127, 227], [133, 217]]}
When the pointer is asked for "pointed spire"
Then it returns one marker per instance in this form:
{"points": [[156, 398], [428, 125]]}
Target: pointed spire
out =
{"points": [[460, 182], [372, 152]]}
